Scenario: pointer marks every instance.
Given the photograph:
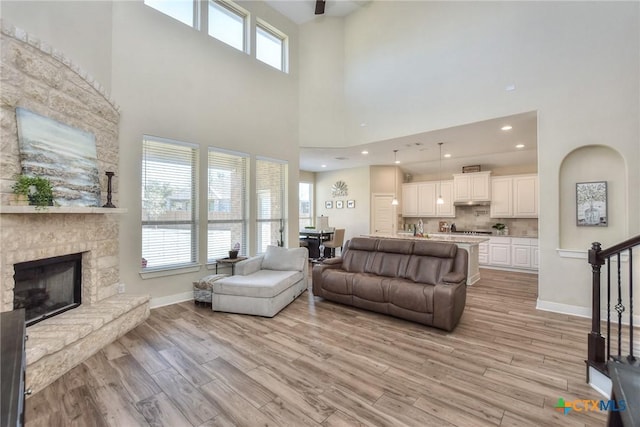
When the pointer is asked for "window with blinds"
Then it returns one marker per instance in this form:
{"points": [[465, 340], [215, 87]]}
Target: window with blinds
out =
{"points": [[169, 203], [270, 203], [227, 203]]}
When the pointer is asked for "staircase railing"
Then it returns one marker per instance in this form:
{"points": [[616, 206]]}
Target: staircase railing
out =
{"points": [[599, 347]]}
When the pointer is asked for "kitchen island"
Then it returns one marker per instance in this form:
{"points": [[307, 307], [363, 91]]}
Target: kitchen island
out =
{"points": [[468, 243]]}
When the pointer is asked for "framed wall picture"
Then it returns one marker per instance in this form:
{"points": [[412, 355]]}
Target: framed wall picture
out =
{"points": [[591, 204], [339, 204], [351, 204], [328, 204]]}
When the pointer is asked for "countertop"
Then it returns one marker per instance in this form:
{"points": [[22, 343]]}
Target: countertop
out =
{"points": [[452, 238]]}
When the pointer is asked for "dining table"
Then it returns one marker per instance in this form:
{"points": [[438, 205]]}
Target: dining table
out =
{"points": [[313, 238]]}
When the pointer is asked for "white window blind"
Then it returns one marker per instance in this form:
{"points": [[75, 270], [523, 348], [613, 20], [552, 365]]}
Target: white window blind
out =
{"points": [[227, 23], [227, 203], [184, 11], [271, 202], [169, 203]]}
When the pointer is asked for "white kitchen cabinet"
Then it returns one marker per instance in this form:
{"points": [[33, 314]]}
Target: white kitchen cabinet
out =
{"points": [[419, 199], [520, 253], [500, 251], [410, 199], [427, 198], [447, 209], [525, 196], [509, 253], [514, 196], [469, 187], [501, 197]]}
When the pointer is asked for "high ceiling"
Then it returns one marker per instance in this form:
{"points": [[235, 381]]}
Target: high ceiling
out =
{"points": [[482, 143], [301, 11]]}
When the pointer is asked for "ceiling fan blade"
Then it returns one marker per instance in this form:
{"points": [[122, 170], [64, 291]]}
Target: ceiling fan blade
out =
{"points": [[320, 7]]}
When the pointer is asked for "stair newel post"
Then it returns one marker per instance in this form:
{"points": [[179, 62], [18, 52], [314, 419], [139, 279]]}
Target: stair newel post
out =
{"points": [[631, 356], [596, 340]]}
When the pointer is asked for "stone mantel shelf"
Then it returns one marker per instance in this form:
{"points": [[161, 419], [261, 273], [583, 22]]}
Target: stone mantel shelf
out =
{"points": [[60, 210]]}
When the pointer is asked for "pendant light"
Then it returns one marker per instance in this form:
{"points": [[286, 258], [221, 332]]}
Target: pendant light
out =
{"points": [[440, 200], [394, 202]]}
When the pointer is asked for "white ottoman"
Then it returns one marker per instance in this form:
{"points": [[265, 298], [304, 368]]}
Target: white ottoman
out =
{"points": [[202, 288]]}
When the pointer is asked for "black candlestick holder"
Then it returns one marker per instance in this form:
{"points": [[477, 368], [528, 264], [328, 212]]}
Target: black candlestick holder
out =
{"points": [[109, 177]]}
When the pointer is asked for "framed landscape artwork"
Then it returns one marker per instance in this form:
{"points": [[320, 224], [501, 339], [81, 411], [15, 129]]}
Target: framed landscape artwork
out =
{"points": [[61, 153], [591, 204]]}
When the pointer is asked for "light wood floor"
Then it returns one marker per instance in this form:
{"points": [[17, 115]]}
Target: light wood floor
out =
{"points": [[320, 363]]}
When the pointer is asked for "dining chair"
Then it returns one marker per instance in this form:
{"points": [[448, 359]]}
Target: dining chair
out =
{"points": [[336, 242]]}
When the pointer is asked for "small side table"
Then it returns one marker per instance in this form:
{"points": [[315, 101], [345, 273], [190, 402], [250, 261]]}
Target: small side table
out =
{"points": [[231, 261]]}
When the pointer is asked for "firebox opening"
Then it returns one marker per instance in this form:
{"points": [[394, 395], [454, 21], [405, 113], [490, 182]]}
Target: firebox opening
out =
{"points": [[47, 287]]}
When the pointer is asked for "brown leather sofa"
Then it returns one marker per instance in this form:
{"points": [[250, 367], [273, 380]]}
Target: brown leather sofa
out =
{"points": [[421, 281]]}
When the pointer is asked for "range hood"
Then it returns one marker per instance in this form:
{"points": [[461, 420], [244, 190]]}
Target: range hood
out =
{"points": [[473, 203]]}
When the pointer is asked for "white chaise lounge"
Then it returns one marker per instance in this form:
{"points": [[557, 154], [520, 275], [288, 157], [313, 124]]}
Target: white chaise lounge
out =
{"points": [[265, 284]]}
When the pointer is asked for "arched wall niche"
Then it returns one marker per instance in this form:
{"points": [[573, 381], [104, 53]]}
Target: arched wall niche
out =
{"points": [[592, 163]]}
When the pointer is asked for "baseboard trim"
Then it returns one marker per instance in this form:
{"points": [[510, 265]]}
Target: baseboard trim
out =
{"points": [[171, 299], [556, 307], [576, 310]]}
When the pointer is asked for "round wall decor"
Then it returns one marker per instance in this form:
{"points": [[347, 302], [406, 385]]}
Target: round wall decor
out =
{"points": [[339, 189]]}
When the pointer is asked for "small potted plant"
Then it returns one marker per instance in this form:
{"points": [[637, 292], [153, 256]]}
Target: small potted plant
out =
{"points": [[37, 190], [499, 227], [233, 253]]}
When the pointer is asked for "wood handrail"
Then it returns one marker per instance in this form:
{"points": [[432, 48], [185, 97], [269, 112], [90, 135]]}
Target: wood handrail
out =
{"points": [[596, 356], [623, 246]]}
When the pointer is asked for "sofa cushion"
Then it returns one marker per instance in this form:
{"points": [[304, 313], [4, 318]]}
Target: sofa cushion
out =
{"points": [[261, 284], [412, 296], [363, 243], [393, 246], [371, 287], [423, 269], [436, 249], [337, 281], [388, 264], [284, 259]]}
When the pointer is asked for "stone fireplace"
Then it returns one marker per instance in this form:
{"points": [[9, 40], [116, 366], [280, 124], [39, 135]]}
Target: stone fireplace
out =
{"points": [[37, 77], [47, 287]]}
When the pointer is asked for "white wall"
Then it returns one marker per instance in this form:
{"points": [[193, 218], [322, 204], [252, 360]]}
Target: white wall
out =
{"points": [[80, 30], [322, 82], [179, 83], [355, 221], [173, 81], [417, 66]]}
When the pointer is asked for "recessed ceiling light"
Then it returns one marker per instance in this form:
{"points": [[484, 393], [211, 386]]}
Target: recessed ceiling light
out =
{"points": [[447, 155], [364, 152], [507, 127], [520, 146], [323, 166], [397, 162], [362, 125]]}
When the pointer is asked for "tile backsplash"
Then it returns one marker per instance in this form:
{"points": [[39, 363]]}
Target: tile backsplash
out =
{"points": [[476, 218]]}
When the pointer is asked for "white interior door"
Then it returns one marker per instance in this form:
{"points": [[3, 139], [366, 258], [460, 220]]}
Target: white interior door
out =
{"points": [[383, 213]]}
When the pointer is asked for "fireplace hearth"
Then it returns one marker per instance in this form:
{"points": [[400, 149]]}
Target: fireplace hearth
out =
{"points": [[47, 287]]}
